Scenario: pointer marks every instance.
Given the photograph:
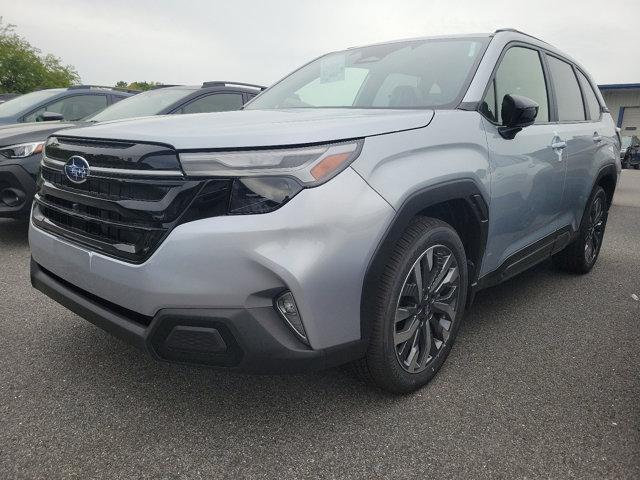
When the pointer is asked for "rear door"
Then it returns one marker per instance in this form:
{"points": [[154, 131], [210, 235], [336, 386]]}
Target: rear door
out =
{"points": [[527, 173], [580, 125]]}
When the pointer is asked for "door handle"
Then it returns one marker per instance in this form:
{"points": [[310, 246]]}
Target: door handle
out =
{"points": [[596, 138], [558, 145]]}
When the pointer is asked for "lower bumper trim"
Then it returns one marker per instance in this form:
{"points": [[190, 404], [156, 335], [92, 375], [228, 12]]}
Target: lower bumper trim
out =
{"points": [[252, 340]]}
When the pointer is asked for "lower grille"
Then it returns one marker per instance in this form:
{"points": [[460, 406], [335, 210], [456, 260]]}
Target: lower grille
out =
{"points": [[126, 217]]}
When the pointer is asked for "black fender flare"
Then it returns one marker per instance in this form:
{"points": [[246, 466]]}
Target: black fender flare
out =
{"points": [[463, 189], [608, 170]]}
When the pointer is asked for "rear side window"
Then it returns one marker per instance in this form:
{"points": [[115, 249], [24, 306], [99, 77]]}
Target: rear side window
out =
{"points": [[568, 97], [219, 102], [520, 73], [593, 106]]}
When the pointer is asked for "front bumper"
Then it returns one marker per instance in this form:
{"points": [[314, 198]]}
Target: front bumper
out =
{"points": [[230, 268], [252, 340]]}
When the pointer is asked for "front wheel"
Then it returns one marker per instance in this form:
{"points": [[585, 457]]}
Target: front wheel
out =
{"points": [[420, 303], [581, 255]]}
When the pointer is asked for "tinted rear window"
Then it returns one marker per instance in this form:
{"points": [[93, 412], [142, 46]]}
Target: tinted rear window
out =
{"points": [[593, 106], [568, 97]]}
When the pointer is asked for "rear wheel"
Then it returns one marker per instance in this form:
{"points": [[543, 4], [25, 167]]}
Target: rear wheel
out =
{"points": [[420, 303], [581, 255], [637, 166]]}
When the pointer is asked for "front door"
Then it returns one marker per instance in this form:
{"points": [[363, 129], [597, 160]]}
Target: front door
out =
{"points": [[528, 171]]}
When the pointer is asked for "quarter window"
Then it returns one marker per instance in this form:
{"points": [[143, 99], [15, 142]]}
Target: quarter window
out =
{"points": [[593, 106], [520, 73], [568, 97]]}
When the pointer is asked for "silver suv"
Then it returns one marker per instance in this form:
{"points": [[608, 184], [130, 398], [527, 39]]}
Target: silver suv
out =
{"points": [[347, 214]]}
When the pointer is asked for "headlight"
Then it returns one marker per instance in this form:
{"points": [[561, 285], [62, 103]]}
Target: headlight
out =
{"points": [[21, 150], [264, 180], [311, 166]]}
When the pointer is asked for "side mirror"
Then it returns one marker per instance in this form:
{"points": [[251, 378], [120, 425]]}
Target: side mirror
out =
{"points": [[517, 112], [50, 117]]}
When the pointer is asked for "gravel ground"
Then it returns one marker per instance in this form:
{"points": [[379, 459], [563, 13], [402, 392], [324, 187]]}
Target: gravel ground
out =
{"points": [[543, 383]]}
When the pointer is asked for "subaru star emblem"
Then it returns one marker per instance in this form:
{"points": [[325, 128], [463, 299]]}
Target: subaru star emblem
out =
{"points": [[76, 169]]}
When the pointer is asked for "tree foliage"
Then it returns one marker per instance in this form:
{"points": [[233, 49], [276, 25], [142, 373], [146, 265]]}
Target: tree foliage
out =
{"points": [[143, 86], [23, 67]]}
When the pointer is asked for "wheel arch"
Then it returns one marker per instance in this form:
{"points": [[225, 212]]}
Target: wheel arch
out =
{"points": [[607, 178], [460, 203]]}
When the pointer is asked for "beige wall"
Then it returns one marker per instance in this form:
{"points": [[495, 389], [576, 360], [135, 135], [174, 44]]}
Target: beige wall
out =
{"points": [[615, 99]]}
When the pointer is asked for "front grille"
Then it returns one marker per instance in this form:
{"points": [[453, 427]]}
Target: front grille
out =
{"points": [[124, 214], [111, 188]]}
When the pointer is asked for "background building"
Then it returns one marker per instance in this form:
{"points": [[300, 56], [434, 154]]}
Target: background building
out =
{"points": [[623, 99]]}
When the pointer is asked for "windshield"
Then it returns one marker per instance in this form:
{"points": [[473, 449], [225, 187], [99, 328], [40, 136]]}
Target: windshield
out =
{"points": [[143, 104], [410, 74], [25, 102]]}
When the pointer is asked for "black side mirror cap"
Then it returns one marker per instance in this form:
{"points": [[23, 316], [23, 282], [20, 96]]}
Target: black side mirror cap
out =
{"points": [[517, 112], [50, 117]]}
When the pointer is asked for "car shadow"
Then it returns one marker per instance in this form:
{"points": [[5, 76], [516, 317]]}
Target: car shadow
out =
{"points": [[13, 233]]}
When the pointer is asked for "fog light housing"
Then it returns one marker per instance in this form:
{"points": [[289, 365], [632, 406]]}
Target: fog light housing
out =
{"points": [[288, 310]]}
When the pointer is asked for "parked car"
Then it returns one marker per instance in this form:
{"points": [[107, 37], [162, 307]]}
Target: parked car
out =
{"points": [[21, 144], [7, 96], [630, 152], [348, 213], [73, 103]]}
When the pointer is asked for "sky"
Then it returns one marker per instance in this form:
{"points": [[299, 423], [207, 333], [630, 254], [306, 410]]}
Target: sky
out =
{"points": [[188, 42]]}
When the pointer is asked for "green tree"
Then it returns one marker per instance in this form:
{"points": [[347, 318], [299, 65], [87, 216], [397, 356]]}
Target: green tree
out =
{"points": [[143, 86], [23, 68]]}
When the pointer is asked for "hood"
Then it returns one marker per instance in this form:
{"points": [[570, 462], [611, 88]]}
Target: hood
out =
{"points": [[31, 132], [258, 128]]}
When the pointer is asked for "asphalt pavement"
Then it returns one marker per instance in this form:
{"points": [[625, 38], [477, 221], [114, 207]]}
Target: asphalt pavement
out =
{"points": [[543, 382]]}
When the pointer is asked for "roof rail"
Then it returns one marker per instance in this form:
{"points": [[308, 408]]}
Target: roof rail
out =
{"points": [[513, 30], [239, 84], [89, 87]]}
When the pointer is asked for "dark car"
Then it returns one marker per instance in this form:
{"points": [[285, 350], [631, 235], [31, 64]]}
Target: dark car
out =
{"points": [[630, 152], [21, 144], [5, 97], [71, 103]]}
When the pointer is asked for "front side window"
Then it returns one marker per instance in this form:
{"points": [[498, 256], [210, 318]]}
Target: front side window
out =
{"points": [[520, 73], [427, 73], [218, 102], [72, 108], [568, 97], [593, 106]]}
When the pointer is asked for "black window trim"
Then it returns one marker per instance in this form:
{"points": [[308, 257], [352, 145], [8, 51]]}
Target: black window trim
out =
{"points": [[584, 96], [547, 82], [64, 97], [584, 105], [551, 93]]}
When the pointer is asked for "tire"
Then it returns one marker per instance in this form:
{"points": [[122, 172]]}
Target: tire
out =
{"points": [[637, 166], [429, 321], [580, 256]]}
